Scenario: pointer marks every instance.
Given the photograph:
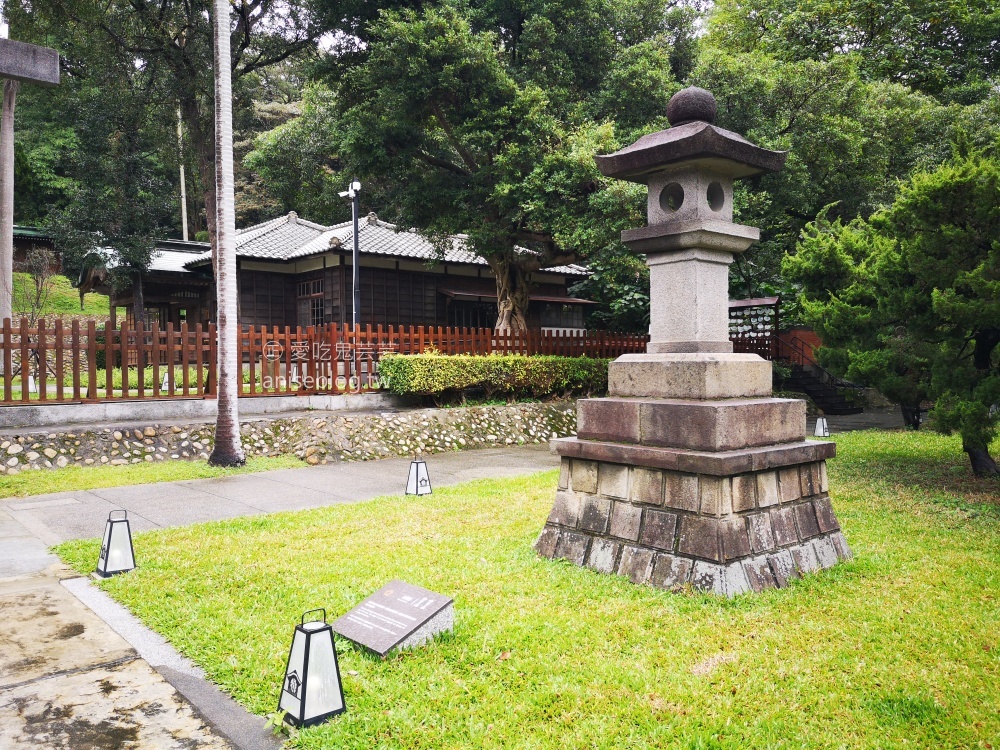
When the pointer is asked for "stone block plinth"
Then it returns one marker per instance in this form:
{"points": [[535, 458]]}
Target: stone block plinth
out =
{"points": [[729, 534], [690, 376], [722, 425]]}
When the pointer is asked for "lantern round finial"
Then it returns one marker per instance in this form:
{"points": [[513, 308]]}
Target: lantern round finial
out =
{"points": [[692, 104]]}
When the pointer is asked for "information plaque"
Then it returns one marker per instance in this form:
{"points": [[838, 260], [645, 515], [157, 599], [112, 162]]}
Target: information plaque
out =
{"points": [[397, 616]]}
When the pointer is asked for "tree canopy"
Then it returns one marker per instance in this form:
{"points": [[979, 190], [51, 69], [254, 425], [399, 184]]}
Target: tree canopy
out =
{"points": [[910, 299], [469, 126]]}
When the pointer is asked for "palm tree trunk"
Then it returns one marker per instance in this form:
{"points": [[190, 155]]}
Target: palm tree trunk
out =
{"points": [[228, 451], [7, 199]]}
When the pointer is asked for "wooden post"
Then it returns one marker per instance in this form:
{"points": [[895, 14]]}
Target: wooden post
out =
{"points": [[59, 359], [211, 386], [185, 360]]}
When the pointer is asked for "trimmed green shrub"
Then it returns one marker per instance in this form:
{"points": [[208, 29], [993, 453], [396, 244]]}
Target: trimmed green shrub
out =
{"points": [[509, 375]]}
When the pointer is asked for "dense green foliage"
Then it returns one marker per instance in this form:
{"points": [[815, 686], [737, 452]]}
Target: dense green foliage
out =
{"points": [[482, 117], [509, 375], [910, 300], [471, 126], [947, 48], [898, 648]]}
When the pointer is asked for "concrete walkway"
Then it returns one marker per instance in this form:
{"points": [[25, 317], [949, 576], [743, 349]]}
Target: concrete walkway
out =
{"points": [[77, 671], [870, 419]]}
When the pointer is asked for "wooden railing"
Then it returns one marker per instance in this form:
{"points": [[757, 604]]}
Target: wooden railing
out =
{"points": [[53, 363], [59, 363]]}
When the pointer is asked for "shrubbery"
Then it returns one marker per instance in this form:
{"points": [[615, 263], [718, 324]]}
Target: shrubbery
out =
{"points": [[507, 375]]}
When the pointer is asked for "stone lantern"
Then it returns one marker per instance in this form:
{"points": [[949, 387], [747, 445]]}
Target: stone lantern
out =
{"points": [[689, 472]]}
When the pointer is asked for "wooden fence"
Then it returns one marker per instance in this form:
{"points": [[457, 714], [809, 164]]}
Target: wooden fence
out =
{"points": [[83, 362], [58, 363]]}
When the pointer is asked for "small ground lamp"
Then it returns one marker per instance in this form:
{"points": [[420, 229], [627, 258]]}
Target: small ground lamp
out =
{"points": [[117, 555], [312, 692], [418, 482], [822, 428]]}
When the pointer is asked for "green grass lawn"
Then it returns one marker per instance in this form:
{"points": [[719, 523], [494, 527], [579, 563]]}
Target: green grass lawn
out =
{"points": [[63, 298], [898, 648], [42, 482]]}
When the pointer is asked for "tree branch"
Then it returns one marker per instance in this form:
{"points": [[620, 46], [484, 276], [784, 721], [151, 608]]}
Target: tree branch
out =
{"points": [[466, 155], [435, 161]]}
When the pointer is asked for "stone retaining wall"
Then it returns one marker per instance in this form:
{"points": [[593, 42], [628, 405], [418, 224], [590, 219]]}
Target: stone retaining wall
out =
{"points": [[325, 437]]}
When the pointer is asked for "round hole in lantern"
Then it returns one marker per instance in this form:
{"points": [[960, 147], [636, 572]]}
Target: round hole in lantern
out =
{"points": [[672, 197], [716, 197]]}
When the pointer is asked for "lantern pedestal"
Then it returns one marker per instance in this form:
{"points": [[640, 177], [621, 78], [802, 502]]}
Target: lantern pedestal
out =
{"points": [[725, 494], [690, 473]]}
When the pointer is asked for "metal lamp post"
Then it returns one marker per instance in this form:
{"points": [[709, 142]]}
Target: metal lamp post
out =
{"points": [[352, 192]]}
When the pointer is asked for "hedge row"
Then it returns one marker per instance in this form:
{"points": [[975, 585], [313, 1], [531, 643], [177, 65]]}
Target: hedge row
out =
{"points": [[510, 375]]}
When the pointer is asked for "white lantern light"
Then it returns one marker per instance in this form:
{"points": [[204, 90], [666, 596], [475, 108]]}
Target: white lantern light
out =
{"points": [[165, 383], [311, 692], [822, 428], [418, 482], [117, 554], [32, 385]]}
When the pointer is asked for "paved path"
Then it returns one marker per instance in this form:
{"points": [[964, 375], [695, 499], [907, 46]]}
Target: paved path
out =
{"points": [[81, 514], [77, 671], [871, 419]]}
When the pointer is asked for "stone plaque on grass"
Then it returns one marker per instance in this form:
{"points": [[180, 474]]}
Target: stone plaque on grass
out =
{"points": [[397, 616]]}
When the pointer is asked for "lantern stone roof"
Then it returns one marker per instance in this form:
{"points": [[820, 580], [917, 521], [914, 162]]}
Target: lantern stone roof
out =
{"points": [[692, 137]]}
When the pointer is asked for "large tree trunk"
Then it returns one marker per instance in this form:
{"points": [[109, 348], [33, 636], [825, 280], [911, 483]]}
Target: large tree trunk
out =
{"points": [[228, 451], [204, 148], [512, 295], [982, 462], [911, 416], [138, 303], [7, 199]]}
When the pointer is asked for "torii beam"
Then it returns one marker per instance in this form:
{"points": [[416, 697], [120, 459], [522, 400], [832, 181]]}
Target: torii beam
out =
{"points": [[19, 63]]}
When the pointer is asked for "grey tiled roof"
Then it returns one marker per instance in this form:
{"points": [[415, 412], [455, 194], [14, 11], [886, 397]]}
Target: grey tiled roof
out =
{"points": [[289, 237]]}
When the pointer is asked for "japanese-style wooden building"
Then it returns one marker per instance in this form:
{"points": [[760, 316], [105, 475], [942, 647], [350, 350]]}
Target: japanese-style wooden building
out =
{"points": [[293, 272]]}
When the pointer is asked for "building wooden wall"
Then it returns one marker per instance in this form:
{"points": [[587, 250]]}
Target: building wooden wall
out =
{"points": [[266, 298], [389, 296]]}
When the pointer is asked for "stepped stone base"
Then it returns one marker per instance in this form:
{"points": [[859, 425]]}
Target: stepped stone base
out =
{"points": [[727, 534]]}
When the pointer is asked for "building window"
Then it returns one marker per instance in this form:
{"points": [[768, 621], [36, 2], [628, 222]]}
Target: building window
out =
{"points": [[311, 302], [555, 315], [463, 314], [317, 311]]}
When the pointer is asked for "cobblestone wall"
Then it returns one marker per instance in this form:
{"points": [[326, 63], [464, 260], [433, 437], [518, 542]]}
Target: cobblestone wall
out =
{"points": [[317, 439]]}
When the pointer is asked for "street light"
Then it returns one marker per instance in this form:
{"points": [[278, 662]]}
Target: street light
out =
{"points": [[311, 692], [352, 193]]}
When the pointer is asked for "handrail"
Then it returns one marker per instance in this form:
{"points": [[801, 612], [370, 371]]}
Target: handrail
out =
{"points": [[825, 376]]}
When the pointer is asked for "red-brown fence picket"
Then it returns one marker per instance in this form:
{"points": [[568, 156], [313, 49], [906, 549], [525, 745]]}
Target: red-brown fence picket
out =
{"points": [[52, 363]]}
